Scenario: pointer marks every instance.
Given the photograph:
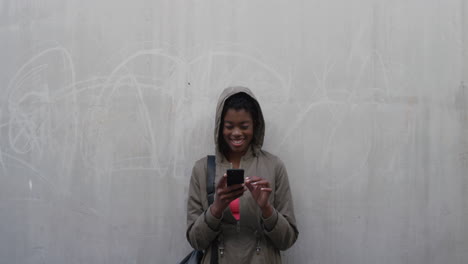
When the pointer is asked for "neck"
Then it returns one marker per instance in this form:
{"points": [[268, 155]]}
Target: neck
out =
{"points": [[235, 159]]}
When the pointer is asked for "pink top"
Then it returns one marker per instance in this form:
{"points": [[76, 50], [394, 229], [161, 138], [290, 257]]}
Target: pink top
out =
{"points": [[235, 208]]}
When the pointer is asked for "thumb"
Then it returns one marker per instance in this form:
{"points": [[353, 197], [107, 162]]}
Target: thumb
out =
{"points": [[222, 182], [248, 184]]}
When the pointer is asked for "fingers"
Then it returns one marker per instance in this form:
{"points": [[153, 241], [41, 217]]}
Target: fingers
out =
{"points": [[253, 179], [234, 187], [228, 197], [255, 182], [249, 186], [235, 194], [261, 183]]}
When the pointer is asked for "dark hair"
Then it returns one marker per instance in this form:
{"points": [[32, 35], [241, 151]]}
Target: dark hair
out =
{"points": [[240, 101]]}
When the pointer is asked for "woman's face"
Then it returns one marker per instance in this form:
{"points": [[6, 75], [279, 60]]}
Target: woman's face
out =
{"points": [[238, 130]]}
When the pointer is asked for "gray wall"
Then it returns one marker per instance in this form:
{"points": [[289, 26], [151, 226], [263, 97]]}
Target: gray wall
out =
{"points": [[105, 106]]}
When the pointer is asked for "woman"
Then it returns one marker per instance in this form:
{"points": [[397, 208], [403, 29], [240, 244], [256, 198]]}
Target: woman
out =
{"points": [[249, 222]]}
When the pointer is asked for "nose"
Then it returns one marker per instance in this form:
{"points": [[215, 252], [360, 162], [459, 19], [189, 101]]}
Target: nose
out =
{"points": [[236, 132]]}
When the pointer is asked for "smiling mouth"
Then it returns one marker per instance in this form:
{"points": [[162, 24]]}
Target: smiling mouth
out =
{"points": [[237, 142]]}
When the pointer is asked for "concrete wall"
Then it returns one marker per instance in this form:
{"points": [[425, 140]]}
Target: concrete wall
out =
{"points": [[105, 106]]}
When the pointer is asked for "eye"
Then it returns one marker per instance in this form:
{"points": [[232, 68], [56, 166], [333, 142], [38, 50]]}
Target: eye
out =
{"points": [[245, 127], [228, 126]]}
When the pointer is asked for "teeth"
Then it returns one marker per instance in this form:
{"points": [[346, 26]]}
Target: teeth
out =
{"points": [[237, 142]]}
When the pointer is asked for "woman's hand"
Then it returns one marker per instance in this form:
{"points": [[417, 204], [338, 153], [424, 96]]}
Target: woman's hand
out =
{"points": [[260, 190], [225, 195]]}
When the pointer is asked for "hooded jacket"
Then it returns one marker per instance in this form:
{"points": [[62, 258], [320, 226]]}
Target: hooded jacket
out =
{"points": [[252, 239]]}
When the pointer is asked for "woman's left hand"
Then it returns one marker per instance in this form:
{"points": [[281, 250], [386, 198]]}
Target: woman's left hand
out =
{"points": [[260, 190]]}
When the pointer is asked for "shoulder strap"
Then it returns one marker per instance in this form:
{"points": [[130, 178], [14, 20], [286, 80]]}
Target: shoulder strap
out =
{"points": [[210, 178], [210, 189]]}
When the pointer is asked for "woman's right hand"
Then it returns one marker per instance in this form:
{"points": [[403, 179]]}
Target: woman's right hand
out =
{"points": [[225, 195]]}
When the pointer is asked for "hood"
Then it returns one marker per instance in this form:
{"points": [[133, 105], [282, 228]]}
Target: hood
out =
{"points": [[259, 129]]}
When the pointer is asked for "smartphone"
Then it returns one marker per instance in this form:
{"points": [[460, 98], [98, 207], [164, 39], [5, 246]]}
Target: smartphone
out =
{"points": [[235, 176]]}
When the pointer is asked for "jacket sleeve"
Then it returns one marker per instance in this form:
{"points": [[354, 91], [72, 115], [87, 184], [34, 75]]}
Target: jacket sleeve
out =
{"points": [[281, 227], [202, 226]]}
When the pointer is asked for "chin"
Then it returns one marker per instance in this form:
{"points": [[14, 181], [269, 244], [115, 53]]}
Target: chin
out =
{"points": [[239, 149]]}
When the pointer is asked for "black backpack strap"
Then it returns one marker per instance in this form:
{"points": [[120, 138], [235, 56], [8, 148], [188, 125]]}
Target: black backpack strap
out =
{"points": [[210, 190], [210, 178]]}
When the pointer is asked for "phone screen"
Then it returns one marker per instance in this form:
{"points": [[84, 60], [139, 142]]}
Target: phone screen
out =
{"points": [[235, 176]]}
